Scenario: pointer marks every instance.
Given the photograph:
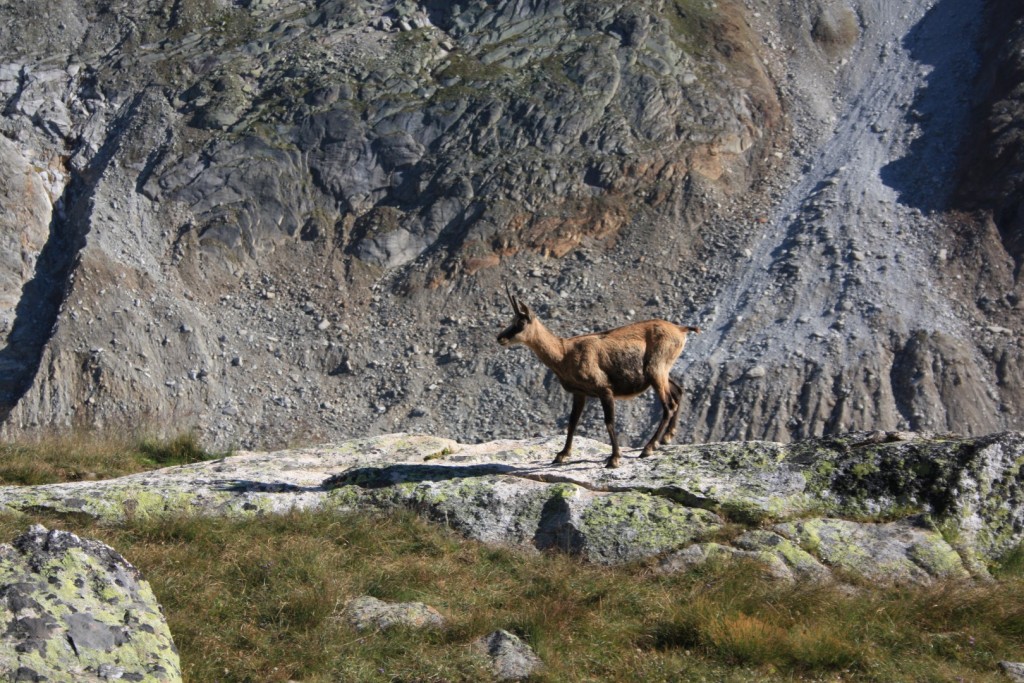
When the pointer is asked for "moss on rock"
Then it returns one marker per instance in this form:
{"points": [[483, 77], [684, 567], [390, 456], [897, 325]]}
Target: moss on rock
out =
{"points": [[627, 526]]}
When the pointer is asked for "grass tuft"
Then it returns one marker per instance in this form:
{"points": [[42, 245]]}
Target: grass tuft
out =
{"points": [[80, 455], [183, 449]]}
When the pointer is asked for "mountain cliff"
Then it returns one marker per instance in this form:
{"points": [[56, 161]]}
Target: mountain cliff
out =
{"points": [[281, 221]]}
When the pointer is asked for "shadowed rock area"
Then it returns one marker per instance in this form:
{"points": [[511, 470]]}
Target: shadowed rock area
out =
{"points": [[887, 506]]}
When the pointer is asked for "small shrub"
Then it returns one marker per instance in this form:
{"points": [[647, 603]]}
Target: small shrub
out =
{"points": [[744, 638], [183, 449], [1012, 563]]}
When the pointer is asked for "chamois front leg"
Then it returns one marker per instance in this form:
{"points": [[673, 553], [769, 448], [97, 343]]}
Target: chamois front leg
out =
{"points": [[608, 403], [663, 390], [578, 402]]}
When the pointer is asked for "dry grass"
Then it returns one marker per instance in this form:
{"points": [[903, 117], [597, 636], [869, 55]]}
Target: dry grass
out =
{"points": [[80, 455], [261, 600]]}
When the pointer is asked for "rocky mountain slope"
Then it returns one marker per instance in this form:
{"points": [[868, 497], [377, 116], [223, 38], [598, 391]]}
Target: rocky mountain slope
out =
{"points": [[292, 220]]}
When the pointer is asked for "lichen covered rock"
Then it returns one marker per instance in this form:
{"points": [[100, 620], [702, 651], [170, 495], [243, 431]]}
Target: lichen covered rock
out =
{"points": [[891, 507], [74, 610], [894, 552], [368, 612]]}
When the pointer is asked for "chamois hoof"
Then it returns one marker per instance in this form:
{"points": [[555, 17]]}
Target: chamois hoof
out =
{"points": [[647, 452], [560, 458], [611, 463]]}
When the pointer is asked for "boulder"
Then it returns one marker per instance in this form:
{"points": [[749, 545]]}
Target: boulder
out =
{"points": [[368, 612], [74, 610], [1013, 670], [782, 559], [510, 658], [895, 552]]}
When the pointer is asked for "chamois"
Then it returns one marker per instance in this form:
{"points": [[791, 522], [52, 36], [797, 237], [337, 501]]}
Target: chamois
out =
{"points": [[619, 363]]}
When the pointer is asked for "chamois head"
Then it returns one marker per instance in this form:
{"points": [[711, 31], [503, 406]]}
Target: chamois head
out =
{"points": [[521, 322]]}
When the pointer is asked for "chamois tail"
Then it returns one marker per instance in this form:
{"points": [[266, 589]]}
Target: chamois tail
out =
{"points": [[688, 328]]}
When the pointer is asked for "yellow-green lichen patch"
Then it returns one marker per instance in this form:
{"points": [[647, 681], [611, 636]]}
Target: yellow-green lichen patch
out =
{"points": [[893, 552], [138, 502], [76, 610], [343, 498], [798, 560], [717, 554], [835, 542], [625, 526], [935, 556]]}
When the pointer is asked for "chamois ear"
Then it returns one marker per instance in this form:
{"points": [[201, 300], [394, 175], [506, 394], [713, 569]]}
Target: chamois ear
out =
{"points": [[525, 312]]}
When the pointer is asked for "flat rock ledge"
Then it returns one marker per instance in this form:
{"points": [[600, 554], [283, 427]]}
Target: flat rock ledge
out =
{"points": [[74, 610], [889, 506]]}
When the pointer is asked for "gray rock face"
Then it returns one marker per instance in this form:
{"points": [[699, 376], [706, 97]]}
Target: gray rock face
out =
{"points": [[74, 610], [226, 152], [944, 506]]}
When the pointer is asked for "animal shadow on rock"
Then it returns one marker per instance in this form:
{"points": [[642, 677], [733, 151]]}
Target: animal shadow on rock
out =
{"points": [[383, 477]]}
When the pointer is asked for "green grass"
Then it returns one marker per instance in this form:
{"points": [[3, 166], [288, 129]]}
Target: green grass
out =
{"points": [[75, 456], [262, 600]]}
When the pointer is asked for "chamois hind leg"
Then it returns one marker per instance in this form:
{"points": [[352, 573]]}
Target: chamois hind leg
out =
{"points": [[578, 403], [677, 399], [661, 388], [608, 403]]}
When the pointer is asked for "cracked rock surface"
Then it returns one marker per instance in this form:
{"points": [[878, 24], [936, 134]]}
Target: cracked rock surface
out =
{"points": [[943, 506]]}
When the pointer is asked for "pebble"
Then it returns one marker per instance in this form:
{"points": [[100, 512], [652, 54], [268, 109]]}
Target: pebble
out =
{"points": [[756, 372]]}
